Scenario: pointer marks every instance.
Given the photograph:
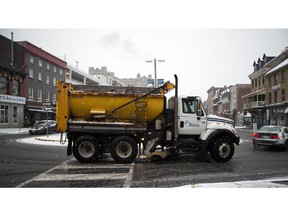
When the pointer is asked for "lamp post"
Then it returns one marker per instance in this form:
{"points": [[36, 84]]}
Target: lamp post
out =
{"points": [[155, 71]]}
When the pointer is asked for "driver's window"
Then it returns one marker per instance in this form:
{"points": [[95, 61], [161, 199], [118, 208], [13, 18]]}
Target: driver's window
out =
{"points": [[189, 105]]}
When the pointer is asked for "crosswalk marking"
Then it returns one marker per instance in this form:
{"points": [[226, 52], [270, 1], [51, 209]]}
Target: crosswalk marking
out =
{"points": [[69, 171]]}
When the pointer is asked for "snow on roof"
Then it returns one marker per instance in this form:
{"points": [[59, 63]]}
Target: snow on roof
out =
{"points": [[282, 64]]}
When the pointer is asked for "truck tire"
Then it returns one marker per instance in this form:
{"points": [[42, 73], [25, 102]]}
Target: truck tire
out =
{"points": [[124, 149], [86, 149], [222, 150]]}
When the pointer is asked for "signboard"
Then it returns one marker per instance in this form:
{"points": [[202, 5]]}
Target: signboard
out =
{"points": [[46, 104], [12, 99]]}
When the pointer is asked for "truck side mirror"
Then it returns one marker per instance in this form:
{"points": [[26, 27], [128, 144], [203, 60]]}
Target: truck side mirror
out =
{"points": [[199, 112]]}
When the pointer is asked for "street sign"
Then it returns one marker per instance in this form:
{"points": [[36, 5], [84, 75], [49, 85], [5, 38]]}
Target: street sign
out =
{"points": [[46, 104]]}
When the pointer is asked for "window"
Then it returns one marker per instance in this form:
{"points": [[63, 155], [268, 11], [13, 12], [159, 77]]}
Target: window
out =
{"points": [[54, 98], [54, 81], [40, 76], [48, 66], [255, 82], [263, 80], [48, 96], [15, 116], [260, 81], [31, 59], [252, 83], [40, 63], [275, 79], [16, 88], [61, 71], [31, 73], [39, 95], [47, 79], [54, 69], [4, 111], [283, 76], [189, 105], [31, 93], [283, 95], [3, 85], [270, 98], [270, 82], [275, 96]]}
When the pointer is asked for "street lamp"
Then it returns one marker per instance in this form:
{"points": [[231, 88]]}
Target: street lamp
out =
{"points": [[149, 61]]}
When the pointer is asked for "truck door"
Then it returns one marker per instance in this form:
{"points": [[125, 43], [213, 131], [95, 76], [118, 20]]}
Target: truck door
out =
{"points": [[191, 119]]}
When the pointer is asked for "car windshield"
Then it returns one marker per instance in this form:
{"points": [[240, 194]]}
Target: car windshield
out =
{"points": [[270, 129]]}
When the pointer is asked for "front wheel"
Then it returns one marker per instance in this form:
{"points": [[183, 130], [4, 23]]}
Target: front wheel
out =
{"points": [[222, 150], [124, 149]]}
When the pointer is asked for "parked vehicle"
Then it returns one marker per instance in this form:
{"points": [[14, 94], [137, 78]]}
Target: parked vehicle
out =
{"points": [[119, 120], [271, 136], [40, 127]]}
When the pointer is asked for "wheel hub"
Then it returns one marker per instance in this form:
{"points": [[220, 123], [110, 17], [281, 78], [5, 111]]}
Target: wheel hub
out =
{"points": [[224, 149], [124, 149], [86, 149]]}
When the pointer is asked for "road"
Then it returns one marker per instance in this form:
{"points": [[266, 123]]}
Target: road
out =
{"points": [[30, 165]]}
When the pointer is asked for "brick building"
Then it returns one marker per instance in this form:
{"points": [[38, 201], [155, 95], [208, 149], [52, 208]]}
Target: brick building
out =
{"points": [[42, 69], [12, 83]]}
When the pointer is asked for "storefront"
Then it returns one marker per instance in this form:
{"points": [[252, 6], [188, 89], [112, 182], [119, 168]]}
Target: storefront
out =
{"points": [[278, 115], [11, 111]]}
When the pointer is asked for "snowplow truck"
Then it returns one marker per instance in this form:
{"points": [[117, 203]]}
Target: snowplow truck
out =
{"points": [[136, 121]]}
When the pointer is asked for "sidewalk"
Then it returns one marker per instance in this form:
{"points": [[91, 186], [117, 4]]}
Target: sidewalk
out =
{"points": [[51, 139]]}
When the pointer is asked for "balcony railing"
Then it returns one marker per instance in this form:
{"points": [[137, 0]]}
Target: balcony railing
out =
{"points": [[255, 104]]}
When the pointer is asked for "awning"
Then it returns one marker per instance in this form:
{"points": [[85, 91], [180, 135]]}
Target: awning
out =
{"points": [[40, 110]]}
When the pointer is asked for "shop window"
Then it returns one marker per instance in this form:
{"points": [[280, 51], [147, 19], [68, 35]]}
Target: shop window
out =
{"points": [[3, 85], [4, 114], [16, 88], [15, 114]]}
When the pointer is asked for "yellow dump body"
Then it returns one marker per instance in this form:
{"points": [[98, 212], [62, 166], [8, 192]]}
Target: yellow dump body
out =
{"points": [[97, 105], [103, 105]]}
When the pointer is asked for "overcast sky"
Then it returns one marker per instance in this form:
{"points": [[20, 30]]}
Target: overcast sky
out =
{"points": [[200, 57]]}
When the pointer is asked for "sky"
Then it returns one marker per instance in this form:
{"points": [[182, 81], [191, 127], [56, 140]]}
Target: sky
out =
{"points": [[200, 57]]}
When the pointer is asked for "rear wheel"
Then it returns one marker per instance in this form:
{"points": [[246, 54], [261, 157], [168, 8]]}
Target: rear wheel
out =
{"points": [[222, 150], [124, 149], [86, 149]]}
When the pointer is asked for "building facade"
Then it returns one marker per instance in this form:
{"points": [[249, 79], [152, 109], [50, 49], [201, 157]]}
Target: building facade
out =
{"points": [[42, 69], [227, 101], [12, 84], [109, 79], [267, 101], [76, 76]]}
